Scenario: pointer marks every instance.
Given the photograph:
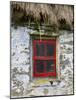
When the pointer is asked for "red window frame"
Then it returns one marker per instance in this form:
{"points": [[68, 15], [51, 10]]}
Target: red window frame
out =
{"points": [[35, 57]]}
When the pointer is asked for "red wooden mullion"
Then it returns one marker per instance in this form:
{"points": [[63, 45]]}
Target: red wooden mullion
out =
{"points": [[45, 59], [44, 74], [55, 57], [34, 53]]}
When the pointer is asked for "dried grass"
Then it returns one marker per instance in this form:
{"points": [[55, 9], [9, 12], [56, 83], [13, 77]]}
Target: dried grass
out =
{"points": [[51, 14]]}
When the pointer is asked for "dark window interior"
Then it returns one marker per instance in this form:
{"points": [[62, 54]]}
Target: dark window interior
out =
{"points": [[40, 49], [50, 50], [39, 66], [50, 66]]}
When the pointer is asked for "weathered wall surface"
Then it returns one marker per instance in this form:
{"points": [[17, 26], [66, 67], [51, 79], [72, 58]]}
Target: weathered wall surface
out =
{"points": [[21, 84]]}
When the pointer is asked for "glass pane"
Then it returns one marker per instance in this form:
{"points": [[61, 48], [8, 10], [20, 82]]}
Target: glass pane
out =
{"points": [[39, 66], [40, 49], [50, 66], [50, 50]]}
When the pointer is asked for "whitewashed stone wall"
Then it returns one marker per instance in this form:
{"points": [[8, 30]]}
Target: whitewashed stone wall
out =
{"points": [[21, 84]]}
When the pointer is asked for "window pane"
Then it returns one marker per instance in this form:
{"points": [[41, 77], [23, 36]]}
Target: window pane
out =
{"points": [[40, 49], [49, 50], [50, 66], [39, 66]]}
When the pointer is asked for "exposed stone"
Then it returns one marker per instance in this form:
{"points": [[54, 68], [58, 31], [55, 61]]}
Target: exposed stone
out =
{"points": [[21, 83], [45, 91]]}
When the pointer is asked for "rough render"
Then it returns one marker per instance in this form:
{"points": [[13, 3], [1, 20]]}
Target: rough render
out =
{"points": [[21, 84]]}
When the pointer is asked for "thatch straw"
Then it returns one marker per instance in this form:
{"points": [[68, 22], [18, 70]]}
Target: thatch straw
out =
{"points": [[60, 16]]}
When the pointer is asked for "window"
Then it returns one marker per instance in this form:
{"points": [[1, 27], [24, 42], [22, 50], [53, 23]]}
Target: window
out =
{"points": [[44, 57]]}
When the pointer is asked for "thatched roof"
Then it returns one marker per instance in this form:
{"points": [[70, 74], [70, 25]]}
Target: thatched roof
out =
{"points": [[57, 16]]}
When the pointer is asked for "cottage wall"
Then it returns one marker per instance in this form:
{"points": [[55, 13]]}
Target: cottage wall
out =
{"points": [[22, 84]]}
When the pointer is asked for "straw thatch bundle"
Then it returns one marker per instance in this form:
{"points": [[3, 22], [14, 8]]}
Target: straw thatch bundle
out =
{"points": [[58, 16]]}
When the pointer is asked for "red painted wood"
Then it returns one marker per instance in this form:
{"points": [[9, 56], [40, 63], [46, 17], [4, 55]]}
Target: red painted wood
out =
{"points": [[35, 57], [43, 58]]}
